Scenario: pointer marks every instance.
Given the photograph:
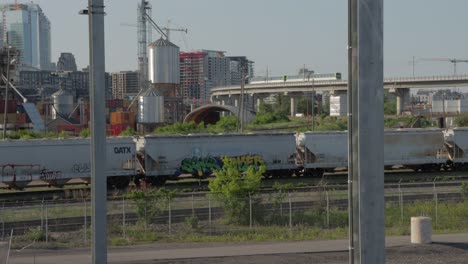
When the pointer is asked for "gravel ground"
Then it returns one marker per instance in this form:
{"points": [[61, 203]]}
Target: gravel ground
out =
{"points": [[437, 253]]}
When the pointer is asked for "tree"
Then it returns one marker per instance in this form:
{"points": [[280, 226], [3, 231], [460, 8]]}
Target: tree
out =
{"points": [[150, 202], [234, 189], [462, 120], [389, 104]]}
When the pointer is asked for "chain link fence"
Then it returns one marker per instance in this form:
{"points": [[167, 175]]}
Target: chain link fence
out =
{"points": [[206, 217]]}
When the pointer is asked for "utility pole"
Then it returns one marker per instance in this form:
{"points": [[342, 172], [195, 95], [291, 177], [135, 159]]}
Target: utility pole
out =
{"points": [[96, 14], [6, 93], [241, 117], [366, 142]]}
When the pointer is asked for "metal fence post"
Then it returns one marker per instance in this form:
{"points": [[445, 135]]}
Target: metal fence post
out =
{"points": [[436, 208], [193, 205], [85, 222], [123, 216], [209, 211], [400, 201], [170, 217], [328, 209], [42, 214], [47, 223], [281, 203], [250, 211], [290, 211]]}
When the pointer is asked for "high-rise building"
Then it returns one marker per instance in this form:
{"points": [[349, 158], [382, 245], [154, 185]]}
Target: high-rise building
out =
{"points": [[66, 62], [124, 84], [240, 65], [26, 27], [37, 83], [202, 70]]}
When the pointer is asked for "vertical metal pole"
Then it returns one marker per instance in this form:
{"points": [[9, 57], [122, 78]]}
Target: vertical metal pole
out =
{"points": [[193, 205], [401, 202], [209, 211], [366, 130], [46, 223], [9, 247], [6, 93], [313, 105], [436, 208], [250, 211], [351, 42], [170, 217], [42, 214], [85, 223], [241, 117], [328, 209], [123, 217], [290, 211], [98, 130]]}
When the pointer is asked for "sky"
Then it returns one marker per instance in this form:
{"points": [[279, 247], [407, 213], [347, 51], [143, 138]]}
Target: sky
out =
{"points": [[280, 35]]}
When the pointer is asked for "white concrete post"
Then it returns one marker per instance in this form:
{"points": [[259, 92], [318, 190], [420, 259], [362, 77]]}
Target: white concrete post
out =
{"points": [[421, 230], [293, 106]]}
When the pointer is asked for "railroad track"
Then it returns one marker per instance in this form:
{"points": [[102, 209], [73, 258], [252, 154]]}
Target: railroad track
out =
{"points": [[336, 181], [68, 224]]}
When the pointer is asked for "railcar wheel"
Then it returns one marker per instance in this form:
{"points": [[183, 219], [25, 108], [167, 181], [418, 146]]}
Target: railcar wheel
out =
{"points": [[118, 182]]}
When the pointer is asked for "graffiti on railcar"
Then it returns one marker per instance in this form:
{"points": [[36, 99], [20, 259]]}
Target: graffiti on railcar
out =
{"points": [[21, 170], [246, 161], [200, 166], [81, 168], [207, 165], [47, 175]]}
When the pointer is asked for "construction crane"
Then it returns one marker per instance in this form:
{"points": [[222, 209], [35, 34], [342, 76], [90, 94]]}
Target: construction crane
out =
{"points": [[168, 29], [454, 61]]}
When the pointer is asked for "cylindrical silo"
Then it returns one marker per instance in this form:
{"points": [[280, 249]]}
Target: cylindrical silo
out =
{"points": [[63, 103], [150, 107], [164, 62]]}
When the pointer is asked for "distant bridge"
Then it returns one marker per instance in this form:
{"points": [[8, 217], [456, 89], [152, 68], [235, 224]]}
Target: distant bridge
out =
{"points": [[399, 85], [342, 85]]}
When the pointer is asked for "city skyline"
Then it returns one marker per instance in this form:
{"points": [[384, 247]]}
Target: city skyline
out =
{"points": [[26, 27], [274, 35]]}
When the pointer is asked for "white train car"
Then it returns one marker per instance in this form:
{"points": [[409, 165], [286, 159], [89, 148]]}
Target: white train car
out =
{"points": [[168, 156], [417, 149], [322, 151], [456, 143], [56, 161]]}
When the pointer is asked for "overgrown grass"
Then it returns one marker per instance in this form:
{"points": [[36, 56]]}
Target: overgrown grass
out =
{"points": [[273, 226]]}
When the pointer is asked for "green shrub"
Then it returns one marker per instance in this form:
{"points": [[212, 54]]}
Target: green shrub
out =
{"points": [[129, 132], [192, 222], [233, 189], [464, 189], [35, 234], [462, 120]]}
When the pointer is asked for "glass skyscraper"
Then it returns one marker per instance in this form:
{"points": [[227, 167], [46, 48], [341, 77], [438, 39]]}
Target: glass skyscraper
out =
{"points": [[26, 27]]}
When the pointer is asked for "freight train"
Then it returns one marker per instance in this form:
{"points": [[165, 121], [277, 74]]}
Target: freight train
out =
{"points": [[157, 158]]}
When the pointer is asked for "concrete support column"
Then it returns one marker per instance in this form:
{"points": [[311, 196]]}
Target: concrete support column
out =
{"points": [[403, 97], [366, 131], [293, 106], [258, 102]]}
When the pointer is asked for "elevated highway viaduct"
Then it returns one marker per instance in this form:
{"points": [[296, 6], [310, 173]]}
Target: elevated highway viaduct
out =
{"points": [[400, 86]]}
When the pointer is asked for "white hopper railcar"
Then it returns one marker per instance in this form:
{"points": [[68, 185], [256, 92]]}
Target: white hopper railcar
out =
{"points": [[170, 156], [417, 149], [456, 147], [56, 161]]}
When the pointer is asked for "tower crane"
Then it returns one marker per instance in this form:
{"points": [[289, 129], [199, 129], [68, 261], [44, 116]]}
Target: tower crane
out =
{"points": [[168, 29], [454, 61]]}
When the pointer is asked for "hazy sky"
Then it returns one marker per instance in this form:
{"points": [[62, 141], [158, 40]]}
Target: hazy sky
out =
{"points": [[283, 35]]}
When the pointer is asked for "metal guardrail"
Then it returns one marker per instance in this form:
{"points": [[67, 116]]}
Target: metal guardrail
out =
{"points": [[393, 80]]}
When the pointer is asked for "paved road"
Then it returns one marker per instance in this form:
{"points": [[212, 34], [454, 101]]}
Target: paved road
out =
{"points": [[446, 249]]}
